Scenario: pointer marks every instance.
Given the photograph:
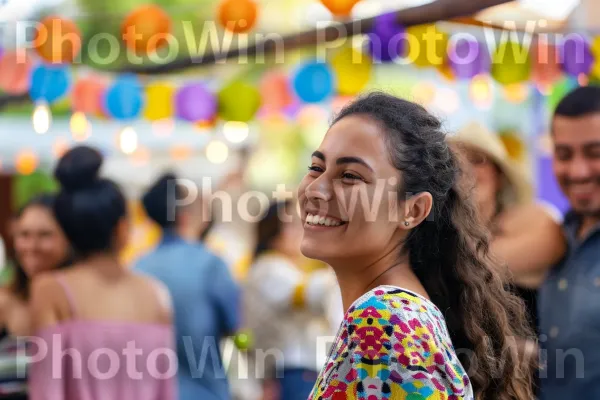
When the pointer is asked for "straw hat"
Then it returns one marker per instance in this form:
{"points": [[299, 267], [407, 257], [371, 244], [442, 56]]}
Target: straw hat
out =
{"points": [[517, 187]]}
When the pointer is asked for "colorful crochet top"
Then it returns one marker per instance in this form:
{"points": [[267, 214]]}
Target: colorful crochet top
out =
{"points": [[394, 345]]}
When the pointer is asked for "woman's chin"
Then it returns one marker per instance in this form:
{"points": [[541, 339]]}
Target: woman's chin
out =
{"points": [[312, 250]]}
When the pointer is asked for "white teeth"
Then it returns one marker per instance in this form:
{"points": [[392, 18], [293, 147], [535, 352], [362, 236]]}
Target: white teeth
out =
{"points": [[319, 220]]}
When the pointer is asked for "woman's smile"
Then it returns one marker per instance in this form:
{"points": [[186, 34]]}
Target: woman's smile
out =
{"points": [[321, 222]]}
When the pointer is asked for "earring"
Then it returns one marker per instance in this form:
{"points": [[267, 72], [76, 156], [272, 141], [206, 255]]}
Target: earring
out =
{"points": [[406, 223]]}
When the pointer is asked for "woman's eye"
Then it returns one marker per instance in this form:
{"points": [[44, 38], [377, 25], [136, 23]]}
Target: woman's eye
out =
{"points": [[350, 176], [315, 168]]}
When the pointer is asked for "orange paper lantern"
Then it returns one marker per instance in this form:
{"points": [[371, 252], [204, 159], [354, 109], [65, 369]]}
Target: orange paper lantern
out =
{"points": [[15, 71], [238, 16], [87, 96], [545, 64], [340, 8], [275, 92], [57, 40], [146, 29], [26, 162]]}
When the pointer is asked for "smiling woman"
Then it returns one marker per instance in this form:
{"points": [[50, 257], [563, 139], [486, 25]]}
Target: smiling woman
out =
{"points": [[40, 246], [406, 243]]}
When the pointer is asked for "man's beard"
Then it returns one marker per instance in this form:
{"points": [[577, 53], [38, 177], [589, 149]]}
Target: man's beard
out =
{"points": [[587, 213], [583, 210]]}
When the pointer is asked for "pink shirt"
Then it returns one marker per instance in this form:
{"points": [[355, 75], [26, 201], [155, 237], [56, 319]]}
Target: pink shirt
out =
{"points": [[103, 360]]}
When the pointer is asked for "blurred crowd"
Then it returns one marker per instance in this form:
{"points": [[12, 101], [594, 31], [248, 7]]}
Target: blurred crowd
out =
{"points": [[267, 337]]}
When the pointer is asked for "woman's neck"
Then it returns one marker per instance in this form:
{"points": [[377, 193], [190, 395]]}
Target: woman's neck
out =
{"points": [[108, 263], [358, 278]]}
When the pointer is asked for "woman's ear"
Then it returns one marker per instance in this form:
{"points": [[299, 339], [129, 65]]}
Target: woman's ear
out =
{"points": [[417, 208]]}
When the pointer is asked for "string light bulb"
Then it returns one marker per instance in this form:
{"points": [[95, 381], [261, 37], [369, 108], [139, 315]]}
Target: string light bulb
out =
{"points": [[516, 93], [446, 100], [80, 126], [128, 140], [217, 152], [236, 132], [41, 118], [481, 91]]}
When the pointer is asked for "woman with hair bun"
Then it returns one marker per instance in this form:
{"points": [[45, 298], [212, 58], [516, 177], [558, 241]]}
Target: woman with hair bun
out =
{"points": [[107, 330]]}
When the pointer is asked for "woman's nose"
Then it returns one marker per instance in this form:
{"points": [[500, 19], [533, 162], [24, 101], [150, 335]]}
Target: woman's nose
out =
{"points": [[320, 189]]}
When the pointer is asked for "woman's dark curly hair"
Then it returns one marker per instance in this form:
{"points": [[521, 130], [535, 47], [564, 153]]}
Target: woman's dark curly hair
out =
{"points": [[449, 252]]}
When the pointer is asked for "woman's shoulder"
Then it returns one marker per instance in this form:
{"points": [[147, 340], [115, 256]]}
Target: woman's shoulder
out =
{"points": [[399, 315], [393, 304], [404, 334], [152, 288]]}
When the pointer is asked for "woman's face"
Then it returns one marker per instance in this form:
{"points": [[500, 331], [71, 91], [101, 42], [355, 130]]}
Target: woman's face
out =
{"points": [[40, 244], [487, 178], [352, 190]]}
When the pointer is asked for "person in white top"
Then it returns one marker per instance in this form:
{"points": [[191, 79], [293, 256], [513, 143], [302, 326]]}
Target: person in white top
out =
{"points": [[290, 304]]}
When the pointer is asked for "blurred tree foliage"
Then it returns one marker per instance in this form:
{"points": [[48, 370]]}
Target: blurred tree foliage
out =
{"points": [[25, 187]]}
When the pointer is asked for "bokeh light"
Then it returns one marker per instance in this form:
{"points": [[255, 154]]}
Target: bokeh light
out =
{"points": [[516, 93], [446, 100], [311, 115], [128, 140], [236, 132], [163, 127], [60, 147], [481, 91], [424, 93], [217, 152], [79, 124], [41, 119], [26, 162], [141, 157], [180, 152]]}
